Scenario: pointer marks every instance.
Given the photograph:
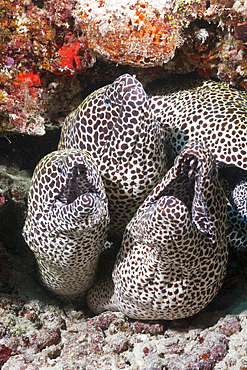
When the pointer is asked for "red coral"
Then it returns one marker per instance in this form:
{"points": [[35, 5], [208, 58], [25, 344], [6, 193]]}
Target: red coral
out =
{"points": [[32, 79], [2, 198], [70, 56], [146, 350], [74, 56]]}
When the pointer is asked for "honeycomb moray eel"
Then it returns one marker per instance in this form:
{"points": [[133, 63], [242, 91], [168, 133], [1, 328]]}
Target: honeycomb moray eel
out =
{"points": [[116, 126], [193, 108], [174, 253], [67, 221]]}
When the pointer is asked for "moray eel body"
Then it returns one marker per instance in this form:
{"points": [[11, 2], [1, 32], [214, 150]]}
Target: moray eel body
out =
{"points": [[67, 222], [234, 183], [116, 126], [193, 108], [174, 253]]}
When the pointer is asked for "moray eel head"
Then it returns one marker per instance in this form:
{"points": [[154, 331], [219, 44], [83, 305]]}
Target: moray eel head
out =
{"points": [[193, 181], [67, 206], [174, 253]]}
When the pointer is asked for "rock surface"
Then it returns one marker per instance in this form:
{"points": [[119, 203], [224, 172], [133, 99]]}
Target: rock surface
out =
{"points": [[38, 331], [51, 50]]}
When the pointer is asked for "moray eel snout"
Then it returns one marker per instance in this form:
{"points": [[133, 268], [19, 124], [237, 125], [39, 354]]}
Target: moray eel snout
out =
{"points": [[67, 205]]}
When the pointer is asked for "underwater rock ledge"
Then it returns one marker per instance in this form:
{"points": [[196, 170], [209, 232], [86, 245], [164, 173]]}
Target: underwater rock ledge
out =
{"points": [[51, 50]]}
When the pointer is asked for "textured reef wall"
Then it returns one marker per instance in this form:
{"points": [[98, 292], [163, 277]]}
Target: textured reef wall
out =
{"points": [[38, 47], [50, 50]]}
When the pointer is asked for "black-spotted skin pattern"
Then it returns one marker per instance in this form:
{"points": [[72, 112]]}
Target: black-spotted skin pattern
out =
{"points": [[67, 221], [193, 108], [202, 109], [174, 252], [239, 198], [116, 126], [234, 183]]}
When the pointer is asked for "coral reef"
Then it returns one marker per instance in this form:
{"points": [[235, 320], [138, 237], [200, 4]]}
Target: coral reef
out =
{"points": [[178, 35], [48, 48], [35, 44]]}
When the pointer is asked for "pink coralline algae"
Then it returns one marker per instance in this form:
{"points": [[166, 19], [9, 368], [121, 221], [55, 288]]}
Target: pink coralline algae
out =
{"points": [[5, 354], [142, 327], [209, 349], [228, 325]]}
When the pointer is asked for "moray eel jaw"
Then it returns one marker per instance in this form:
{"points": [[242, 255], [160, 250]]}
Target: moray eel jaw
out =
{"points": [[202, 175], [77, 184], [67, 205], [78, 200], [193, 181]]}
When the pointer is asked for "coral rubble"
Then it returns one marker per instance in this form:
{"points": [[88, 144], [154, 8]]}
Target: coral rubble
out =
{"points": [[37, 331]]}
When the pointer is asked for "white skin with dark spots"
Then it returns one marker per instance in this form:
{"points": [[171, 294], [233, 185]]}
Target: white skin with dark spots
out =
{"points": [[174, 252], [67, 221], [192, 108], [116, 126]]}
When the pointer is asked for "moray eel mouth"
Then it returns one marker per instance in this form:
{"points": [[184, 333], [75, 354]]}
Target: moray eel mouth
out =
{"points": [[182, 182], [191, 180], [77, 184]]}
